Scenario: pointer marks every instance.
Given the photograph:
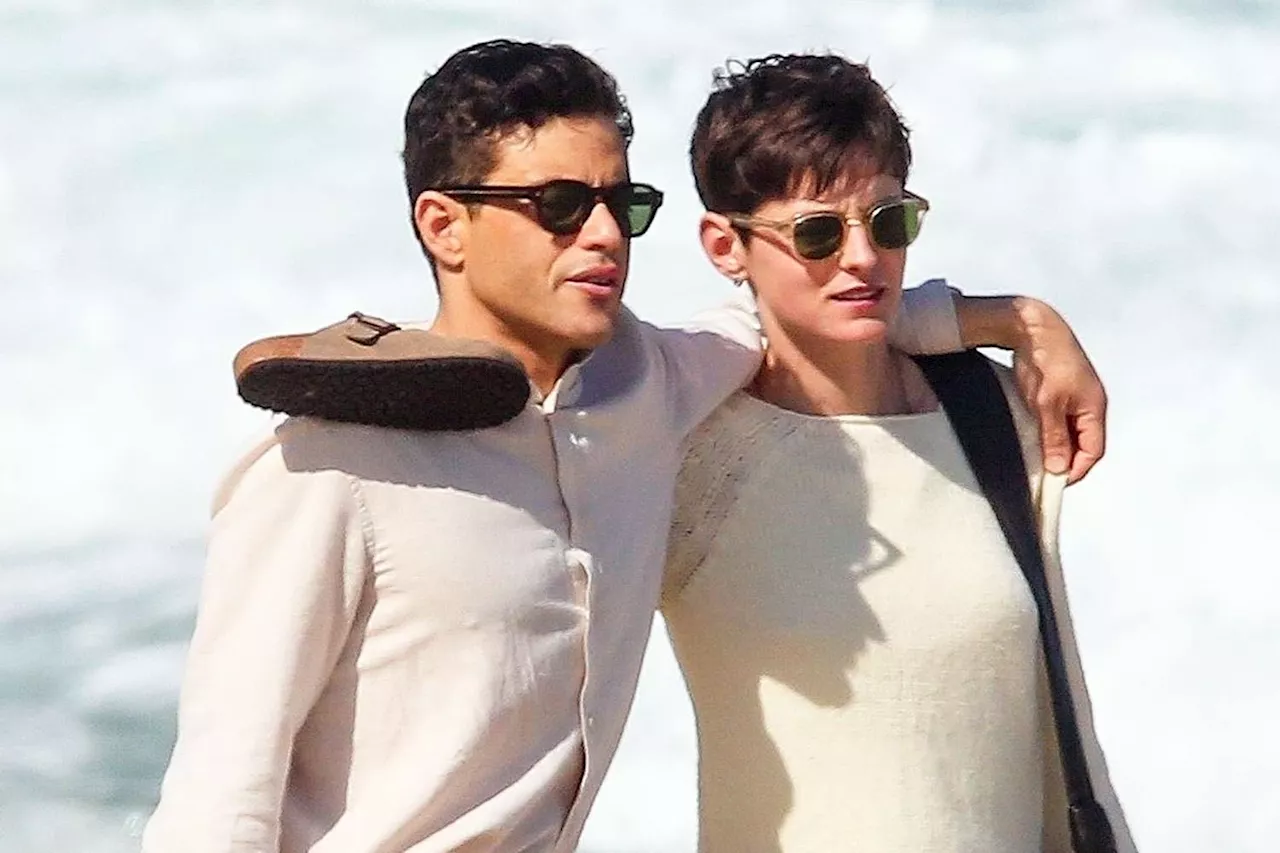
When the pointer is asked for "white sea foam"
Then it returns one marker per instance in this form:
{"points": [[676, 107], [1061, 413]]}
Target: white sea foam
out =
{"points": [[176, 179]]}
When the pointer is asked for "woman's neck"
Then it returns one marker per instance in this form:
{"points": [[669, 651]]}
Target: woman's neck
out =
{"points": [[840, 379]]}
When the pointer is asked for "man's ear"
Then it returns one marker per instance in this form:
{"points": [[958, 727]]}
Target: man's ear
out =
{"points": [[443, 226], [722, 245]]}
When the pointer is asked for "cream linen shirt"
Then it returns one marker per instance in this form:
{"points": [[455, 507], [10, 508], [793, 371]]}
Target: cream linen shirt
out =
{"points": [[429, 642]]}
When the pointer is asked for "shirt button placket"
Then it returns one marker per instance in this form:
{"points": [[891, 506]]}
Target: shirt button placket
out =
{"points": [[577, 564], [580, 579]]}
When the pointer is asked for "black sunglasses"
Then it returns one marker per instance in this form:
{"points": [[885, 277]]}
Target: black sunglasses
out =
{"points": [[891, 224], [564, 206]]}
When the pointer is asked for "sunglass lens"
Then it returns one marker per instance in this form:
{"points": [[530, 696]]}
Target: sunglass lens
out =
{"points": [[564, 206], [634, 206], [818, 236], [896, 225]]}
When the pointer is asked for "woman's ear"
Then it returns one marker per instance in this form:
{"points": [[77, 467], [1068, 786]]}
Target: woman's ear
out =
{"points": [[722, 245], [443, 227]]}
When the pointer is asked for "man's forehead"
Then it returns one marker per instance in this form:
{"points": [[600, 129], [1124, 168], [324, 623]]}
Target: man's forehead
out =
{"points": [[580, 148], [600, 128]]}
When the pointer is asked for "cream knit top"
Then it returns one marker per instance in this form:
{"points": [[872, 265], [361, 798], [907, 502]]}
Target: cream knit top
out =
{"points": [[859, 643]]}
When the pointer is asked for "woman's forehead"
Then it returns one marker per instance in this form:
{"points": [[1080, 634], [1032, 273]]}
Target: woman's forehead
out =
{"points": [[860, 189]]}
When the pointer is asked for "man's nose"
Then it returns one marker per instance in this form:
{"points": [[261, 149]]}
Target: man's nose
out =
{"points": [[601, 230]]}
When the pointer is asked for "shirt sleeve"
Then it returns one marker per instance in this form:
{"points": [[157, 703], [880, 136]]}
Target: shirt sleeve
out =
{"points": [[926, 323], [710, 357], [284, 573]]}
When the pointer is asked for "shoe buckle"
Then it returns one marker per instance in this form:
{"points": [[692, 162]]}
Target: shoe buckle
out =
{"points": [[368, 330]]}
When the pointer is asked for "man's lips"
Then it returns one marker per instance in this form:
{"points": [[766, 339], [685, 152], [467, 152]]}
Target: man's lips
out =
{"points": [[598, 281]]}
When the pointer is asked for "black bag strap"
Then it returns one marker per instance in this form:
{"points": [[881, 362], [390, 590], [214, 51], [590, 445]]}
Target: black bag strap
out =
{"points": [[974, 402]]}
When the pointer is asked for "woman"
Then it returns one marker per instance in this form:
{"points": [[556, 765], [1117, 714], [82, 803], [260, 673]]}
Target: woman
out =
{"points": [[860, 645]]}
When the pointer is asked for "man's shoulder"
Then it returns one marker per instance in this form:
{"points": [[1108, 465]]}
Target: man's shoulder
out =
{"points": [[309, 453]]}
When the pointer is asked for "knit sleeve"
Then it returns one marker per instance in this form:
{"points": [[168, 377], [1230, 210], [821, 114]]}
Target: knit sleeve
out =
{"points": [[1047, 492], [1028, 432], [719, 458]]}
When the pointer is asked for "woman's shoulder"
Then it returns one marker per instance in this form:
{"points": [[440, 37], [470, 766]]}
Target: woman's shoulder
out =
{"points": [[720, 457], [731, 443]]}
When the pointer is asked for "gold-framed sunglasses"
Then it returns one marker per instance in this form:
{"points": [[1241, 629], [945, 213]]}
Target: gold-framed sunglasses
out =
{"points": [[891, 224]]}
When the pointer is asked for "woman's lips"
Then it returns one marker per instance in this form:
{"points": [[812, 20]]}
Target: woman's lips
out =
{"points": [[859, 300], [859, 294]]}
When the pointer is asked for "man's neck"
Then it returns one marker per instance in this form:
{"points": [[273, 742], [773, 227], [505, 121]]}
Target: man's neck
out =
{"points": [[543, 363]]}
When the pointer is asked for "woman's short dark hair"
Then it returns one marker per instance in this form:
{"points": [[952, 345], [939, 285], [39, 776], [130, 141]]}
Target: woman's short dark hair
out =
{"points": [[784, 123], [482, 93]]}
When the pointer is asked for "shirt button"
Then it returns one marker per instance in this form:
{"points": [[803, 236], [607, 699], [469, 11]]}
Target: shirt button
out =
{"points": [[579, 441]]}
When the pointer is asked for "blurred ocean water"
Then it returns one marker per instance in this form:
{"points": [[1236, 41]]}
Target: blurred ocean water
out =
{"points": [[179, 177]]}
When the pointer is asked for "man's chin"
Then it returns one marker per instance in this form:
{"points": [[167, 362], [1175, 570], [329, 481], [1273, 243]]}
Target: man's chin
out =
{"points": [[594, 328], [590, 339]]}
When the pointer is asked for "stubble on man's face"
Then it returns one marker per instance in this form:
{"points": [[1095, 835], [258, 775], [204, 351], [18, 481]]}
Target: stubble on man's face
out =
{"points": [[546, 295]]}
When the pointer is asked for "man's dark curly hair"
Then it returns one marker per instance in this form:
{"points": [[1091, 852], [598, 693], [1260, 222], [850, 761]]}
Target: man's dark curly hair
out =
{"points": [[459, 114], [784, 123]]}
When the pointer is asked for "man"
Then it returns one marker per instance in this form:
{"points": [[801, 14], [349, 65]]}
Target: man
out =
{"points": [[430, 641]]}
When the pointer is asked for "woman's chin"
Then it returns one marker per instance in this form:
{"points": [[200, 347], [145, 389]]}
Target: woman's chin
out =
{"points": [[859, 331]]}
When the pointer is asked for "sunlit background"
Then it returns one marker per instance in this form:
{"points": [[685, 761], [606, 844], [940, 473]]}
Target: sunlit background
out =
{"points": [[179, 177]]}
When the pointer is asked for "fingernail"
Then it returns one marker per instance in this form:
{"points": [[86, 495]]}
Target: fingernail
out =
{"points": [[1056, 464]]}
